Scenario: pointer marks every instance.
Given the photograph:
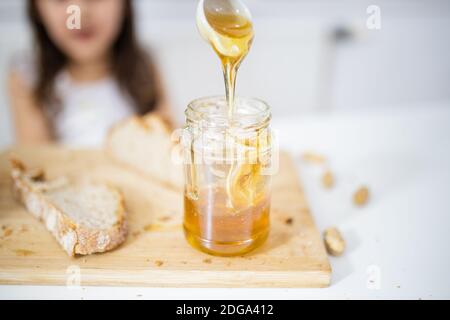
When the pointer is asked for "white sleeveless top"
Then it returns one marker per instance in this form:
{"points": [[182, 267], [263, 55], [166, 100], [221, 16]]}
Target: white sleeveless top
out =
{"points": [[87, 111]]}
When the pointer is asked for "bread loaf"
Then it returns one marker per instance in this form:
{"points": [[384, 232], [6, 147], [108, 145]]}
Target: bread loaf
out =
{"points": [[144, 144]]}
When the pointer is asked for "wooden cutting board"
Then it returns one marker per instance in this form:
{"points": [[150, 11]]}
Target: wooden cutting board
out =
{"points": [[155, 252]]}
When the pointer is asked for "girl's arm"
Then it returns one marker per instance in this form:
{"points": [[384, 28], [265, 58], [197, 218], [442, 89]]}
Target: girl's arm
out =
{"points": [[31, 126], [164, 107]]}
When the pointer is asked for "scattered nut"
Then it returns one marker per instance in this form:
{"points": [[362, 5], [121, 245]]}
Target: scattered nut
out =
{"points": [[159, 263], [208, 261], [361, 196], [314, 158], [334, 243], [328, 179]]}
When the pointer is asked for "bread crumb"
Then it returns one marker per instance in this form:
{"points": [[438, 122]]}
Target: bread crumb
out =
{"points": [[328, 179], [314, 158], [334, 243], [148, 227], [159, 263], [23, 252], [7, 232], [16, 163], [361, 196], [289, 221], [136, 233], [208, 261], [164, 219], [37, 174]]}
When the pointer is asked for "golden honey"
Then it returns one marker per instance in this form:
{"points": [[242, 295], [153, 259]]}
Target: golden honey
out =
{"points": [[227, 195], [219, 229]]}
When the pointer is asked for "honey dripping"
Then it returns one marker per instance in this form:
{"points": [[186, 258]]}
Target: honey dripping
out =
{"points": [[227, 26]]}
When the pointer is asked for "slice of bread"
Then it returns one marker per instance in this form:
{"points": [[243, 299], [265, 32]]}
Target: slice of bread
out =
{"points": [[84, 217], [145, 144]]}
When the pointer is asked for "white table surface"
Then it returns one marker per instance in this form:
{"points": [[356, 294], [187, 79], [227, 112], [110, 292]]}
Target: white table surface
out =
{"points": [[398, 245]]}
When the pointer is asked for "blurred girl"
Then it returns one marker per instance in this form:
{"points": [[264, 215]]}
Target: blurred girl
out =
{"points": [[79, 82]]}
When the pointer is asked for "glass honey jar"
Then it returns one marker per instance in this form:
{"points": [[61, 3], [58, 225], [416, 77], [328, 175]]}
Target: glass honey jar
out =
{"points": [[227, 164]]}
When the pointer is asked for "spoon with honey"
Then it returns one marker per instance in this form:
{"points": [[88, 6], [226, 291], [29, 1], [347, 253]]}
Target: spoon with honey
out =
{"points": [[227, 26]]}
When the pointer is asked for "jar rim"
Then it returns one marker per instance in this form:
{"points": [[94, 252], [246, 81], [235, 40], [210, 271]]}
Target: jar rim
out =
{"points": [[199, 110]]}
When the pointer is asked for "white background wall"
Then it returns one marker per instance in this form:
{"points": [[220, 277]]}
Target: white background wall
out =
{"points": [[294, 64]]}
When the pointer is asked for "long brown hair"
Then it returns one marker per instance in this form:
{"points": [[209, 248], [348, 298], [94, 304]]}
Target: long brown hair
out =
{"points": [[131, 65]]}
